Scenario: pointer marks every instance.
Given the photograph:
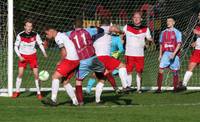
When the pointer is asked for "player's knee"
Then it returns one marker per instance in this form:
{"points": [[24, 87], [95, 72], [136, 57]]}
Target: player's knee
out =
{"points": [[65, 82], [102, 81]]}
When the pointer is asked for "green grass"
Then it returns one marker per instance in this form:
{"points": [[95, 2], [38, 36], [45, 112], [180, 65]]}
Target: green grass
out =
{"points": [[146, 107]]}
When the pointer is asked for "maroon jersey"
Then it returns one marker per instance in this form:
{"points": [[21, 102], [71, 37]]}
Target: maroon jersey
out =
{"points": [[170, 39], [83, 43]]}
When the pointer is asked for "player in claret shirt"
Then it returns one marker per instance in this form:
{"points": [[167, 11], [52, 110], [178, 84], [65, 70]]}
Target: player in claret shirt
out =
{"points": [[135, 34], [194, 59], [26, 51], [170, 42], [83, 41]]}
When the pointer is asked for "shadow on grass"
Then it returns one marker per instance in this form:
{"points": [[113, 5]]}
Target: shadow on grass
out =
{"points": [[108, 99]]}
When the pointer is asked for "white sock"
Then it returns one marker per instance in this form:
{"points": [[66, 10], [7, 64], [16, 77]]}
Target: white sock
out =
{"points": [[37, 86], [123, 77], [99, 89], [129, 80], [187, 77], [138, 81], [55, 88], [70, 91], [18, 84]]}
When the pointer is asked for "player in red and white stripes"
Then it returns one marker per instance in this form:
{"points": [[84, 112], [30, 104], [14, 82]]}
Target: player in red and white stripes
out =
{"points": [[26, 51]]}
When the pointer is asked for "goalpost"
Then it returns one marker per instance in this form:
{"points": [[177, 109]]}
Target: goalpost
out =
{"points": [[62, 13]]}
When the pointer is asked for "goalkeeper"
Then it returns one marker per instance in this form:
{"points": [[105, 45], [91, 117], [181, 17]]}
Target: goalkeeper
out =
{"points": [[116, 50]]}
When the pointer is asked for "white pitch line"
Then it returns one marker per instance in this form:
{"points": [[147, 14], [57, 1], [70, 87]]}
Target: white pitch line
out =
{"points": [[108, 106]]}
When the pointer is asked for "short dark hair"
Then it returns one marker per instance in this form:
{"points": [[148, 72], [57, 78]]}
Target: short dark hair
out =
{"points": [[28, 20], [48, 27], [171, 18], [78, 22]]}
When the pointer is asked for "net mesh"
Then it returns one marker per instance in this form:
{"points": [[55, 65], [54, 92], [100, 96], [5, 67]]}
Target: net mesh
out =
{"points": [[62, 13], [3, 44]]}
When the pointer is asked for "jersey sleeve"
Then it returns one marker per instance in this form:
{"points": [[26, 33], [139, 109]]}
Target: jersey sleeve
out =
{"points": [[92, 31], [38, 39], [17, 41], [60, 41], [160, 38], [178, 36], [148, 34], [125, 29]]}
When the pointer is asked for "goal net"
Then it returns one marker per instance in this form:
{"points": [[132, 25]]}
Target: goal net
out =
{"points": [[61, 13]]}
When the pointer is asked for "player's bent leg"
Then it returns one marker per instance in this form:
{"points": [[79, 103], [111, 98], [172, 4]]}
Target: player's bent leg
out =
{"points": [[99, 89], [188, 73], [70, 91], [18, 82], [90, 84], [55, 85], [123, 74], [79, 92]]}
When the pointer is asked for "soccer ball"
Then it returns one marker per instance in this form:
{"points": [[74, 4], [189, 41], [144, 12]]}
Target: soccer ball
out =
{"points": [[43, 75]]}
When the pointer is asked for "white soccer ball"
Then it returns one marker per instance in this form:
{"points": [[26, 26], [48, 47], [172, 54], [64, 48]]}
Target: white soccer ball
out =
{"points": [[43, 75]]}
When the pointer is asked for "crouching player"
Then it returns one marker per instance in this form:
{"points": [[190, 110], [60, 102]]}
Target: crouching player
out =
{"points": [[26, 51], [66, 66], [194, 59], [170, 42]]}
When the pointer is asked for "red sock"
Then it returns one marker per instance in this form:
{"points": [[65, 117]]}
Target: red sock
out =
{"points": [[159, 80], [111, 80], [175, 81], [79, 93]]}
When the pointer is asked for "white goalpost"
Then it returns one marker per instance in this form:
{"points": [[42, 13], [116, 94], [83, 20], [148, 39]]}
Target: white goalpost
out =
{"points": [[62, 13]]}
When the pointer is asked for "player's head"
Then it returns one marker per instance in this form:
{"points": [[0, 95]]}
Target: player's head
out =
{"points": [[78, 23], [28, 25], [137, 18], [170, 22], [50, 32], [105, 21]]}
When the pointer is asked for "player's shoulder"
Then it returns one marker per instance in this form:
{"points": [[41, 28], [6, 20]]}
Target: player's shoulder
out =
{"points": [[61, 36], [177, 30], [24, 34], [142, 26]]}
